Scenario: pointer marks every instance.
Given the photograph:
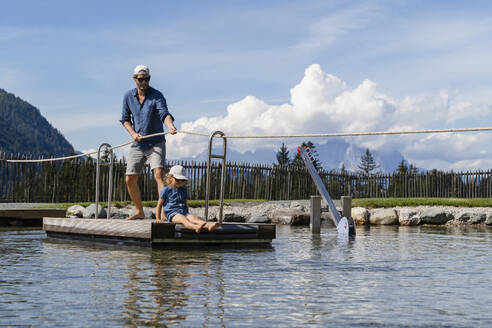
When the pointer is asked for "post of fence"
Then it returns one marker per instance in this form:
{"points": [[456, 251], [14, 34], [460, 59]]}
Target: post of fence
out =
{"points": [[347, 206], [315, 220]]}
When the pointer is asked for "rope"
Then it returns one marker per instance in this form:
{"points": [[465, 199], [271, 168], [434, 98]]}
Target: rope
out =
{"points": [[356, 134], [79, 155], [316, 135], [195, 133]]}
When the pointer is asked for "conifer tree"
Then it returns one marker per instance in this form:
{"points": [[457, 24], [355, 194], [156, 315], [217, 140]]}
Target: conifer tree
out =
{"points": [[367, 163], [283, 156], [297, 161], [402, 167], [343, 170]]}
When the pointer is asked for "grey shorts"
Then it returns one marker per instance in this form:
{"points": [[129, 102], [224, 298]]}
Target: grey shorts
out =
{"points": [[137, 158]]}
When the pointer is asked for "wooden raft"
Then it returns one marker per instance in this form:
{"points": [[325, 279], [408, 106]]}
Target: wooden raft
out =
{"points": [[27, 217], [148, 233]]}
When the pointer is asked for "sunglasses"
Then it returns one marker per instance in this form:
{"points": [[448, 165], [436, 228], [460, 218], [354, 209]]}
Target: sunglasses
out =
{"points": [[141, 79], [180, 180]]}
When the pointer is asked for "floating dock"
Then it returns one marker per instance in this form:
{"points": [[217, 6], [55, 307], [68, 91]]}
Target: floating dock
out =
{"points": [[28, 217], [148, 233]]}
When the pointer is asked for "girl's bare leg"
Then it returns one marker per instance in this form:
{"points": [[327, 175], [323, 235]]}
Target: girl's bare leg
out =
{"points": [[211, 226], [195, 219], [188, 224]]}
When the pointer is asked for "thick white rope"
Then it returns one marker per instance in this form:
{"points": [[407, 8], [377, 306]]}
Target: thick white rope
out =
{"points": [[357, 134], [316, 135], [79, 155]]}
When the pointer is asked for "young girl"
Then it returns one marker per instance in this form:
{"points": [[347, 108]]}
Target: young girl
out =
{"points": [[173, 197]]}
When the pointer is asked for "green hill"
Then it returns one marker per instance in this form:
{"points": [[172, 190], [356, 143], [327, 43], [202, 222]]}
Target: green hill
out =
{"points": [[26, 131]]}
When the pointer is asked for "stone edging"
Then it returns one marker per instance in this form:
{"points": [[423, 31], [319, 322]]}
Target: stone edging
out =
{"points": [[297, 213], [435, 215]]}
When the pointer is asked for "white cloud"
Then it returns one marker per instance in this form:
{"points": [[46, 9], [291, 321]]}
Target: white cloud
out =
{"points": [[328, 29], [322, 103]]}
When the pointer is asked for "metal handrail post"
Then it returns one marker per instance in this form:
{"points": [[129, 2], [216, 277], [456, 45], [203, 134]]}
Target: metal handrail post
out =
{"points": [[209, 172], [98, 164], [110, 182], [97, 181], [222, 182]]}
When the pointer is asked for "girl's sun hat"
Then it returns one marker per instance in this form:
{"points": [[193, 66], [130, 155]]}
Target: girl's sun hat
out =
{"points": [[178, 172]]}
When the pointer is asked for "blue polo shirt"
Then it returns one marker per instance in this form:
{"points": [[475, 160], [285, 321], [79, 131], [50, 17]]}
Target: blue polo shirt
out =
{"points": [[146, 118], [174, 199]]}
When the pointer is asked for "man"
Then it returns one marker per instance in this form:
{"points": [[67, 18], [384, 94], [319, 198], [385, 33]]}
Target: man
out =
{"points": [[144, 111]]}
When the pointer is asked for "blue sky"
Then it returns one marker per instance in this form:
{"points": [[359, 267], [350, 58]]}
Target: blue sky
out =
{"points": [[73, 60]]}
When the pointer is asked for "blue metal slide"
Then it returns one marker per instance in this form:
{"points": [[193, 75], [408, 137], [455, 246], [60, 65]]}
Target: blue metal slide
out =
{"points": [[345, 226]]}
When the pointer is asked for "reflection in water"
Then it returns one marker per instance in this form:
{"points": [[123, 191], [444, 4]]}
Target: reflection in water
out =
{"points": [[386, 276], [156, 290], [169, 295], [161, 284]]}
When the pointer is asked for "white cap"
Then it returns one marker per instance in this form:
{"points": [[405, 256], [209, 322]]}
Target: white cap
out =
{"points": [[178, 172], [141, 68]]}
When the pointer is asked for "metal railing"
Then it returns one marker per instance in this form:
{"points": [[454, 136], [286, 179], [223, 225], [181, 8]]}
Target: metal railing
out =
{"points": [[209, 173], [99, 163]]}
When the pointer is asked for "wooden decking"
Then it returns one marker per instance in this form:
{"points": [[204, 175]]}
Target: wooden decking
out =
{"points": [[32, 217], [148, 233]]}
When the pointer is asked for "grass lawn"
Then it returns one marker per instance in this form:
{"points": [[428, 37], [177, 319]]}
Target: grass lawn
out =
{"points": [[392, 202]]}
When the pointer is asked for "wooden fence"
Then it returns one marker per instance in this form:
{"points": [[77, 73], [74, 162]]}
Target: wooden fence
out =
{"points": [[74, 181]]}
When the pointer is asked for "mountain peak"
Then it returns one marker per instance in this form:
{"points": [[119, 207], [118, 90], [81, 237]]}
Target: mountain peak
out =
{"points": [[26, 131], [332, 155]]}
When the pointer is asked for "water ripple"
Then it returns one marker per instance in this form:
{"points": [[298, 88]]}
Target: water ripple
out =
{"points": [[385, 277]]}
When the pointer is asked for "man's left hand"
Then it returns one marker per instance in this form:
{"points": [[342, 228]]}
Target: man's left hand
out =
{"points": [[173, 130]]}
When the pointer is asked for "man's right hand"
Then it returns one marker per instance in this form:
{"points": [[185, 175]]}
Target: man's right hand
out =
{"points": [[136, 137]]}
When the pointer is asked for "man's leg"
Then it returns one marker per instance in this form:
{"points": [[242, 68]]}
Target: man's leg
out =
{"points": [[157, 156], [134, 191], [159, 178], [136, 160]]}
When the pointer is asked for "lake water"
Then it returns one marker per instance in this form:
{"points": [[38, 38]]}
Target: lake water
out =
{"points": [[386, 277]]}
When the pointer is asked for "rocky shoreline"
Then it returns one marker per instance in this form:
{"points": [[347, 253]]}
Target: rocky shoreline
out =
{"points": [[421, 215], [297, 213]]}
